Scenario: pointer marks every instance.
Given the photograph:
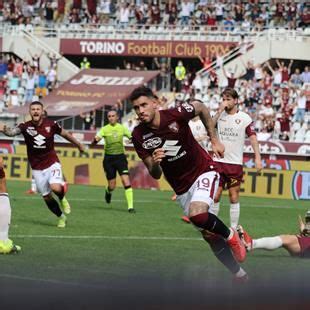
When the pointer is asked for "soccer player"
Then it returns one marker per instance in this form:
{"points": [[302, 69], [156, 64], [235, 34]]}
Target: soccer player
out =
{"points": [[296, 245], [114, 157], [6, 245], [39, 135], [232, 128], [163, 140]]}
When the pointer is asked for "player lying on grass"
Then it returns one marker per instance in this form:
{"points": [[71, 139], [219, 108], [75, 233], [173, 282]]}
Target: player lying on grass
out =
{"points": [[296, 245], [6, 245]]}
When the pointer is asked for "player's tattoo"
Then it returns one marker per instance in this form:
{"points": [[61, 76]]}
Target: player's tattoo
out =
{"points": [[209, 124], [11, 132]]}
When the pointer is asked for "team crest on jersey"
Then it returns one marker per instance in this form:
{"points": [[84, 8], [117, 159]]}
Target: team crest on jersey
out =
{"points": [[174, 127], [48, 129], [31, 131], [152, 143], [238, 121]]}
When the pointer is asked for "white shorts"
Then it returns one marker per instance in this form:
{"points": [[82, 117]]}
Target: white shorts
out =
{"points": [[203, 190], [50, 175]]}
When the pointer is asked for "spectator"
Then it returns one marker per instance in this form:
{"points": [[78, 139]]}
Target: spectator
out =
{"points": [[35, 59], [85, 64], [41, 89], [30, 87], [180, 73], [88, 120]]}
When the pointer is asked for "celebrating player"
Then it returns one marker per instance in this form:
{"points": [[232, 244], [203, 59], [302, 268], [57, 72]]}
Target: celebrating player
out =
{"points": [[163, 140], [6, 245], [232, 127], [114, 157], [296, 245], [39, 135]]}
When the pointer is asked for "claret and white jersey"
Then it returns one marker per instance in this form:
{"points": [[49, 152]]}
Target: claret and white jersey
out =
{"points": [[232, 130], [185, 159]]}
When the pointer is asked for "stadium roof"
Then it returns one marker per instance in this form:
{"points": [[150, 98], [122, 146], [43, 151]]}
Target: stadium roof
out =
{"points": [[92, 89]]}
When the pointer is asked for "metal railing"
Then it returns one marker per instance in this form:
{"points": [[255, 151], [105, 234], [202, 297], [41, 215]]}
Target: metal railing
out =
{"points": [[40, 43], [135, 32]]}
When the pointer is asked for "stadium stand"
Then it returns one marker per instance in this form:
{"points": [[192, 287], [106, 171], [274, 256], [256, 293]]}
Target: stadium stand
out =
{"points": [[275, 94]]}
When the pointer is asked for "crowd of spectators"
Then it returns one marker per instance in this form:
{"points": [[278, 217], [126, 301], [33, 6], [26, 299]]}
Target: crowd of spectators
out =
{"points": [[22, 82], [224, 14], [276, 97]]}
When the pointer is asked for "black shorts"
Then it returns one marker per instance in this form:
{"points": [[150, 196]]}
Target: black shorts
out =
{"points": [[115, 163]]}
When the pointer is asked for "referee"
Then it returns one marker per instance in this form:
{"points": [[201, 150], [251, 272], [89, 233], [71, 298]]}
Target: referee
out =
{"points": [[114, 157]]}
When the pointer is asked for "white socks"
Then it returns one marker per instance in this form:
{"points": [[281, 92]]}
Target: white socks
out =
{"points": [[234, 214], [269, 243], [215, 208], [33, 185], [5, 216]]}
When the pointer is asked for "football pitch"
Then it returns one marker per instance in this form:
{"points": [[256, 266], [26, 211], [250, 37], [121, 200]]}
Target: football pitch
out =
{"points": [[109, 256]]}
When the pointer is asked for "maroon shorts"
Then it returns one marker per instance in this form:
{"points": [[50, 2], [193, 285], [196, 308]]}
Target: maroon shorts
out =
{"points": [[230, 175], [304, 243]]}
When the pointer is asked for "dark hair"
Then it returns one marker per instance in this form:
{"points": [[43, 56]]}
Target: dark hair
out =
{"points": [[230, 92], [142, 91], [36, 103], [112, 110]]}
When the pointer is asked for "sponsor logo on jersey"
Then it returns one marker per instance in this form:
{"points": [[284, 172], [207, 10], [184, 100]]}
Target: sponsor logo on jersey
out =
{"points": [[174, 127], [171, 148], [31, 131], [152, 143], [48, 129], [150, 134], [39, 140]]}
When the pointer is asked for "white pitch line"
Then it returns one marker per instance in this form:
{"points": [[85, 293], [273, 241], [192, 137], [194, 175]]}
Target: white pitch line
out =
{"points": [[50, 281], [250, 205], [106, 237]]}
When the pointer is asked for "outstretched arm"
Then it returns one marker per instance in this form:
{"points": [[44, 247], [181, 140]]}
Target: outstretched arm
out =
{"points": [[204, 114], [8, 131], [65, 134]]}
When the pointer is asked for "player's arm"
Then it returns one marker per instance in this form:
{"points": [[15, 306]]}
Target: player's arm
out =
{"points": [[152, 163], [301, 224], [255, 146], [65, 134], [8, 131], [218, 113], [203, 112], [95, 140]]}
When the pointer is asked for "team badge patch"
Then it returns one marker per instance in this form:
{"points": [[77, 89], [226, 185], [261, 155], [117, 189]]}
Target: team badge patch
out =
{"points": [[48, 129], [174, 127], [238, 121]]}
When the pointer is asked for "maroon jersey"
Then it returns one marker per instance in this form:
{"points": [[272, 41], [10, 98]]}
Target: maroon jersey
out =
{"points": [[40, 143], [304, 243], [185, 159]]}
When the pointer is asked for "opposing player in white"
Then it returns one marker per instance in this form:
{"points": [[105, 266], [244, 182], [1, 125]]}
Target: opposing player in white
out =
{"points": [[232, 127], [6, 245]]}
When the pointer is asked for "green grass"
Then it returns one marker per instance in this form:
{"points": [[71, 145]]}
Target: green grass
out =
{"points": [[106, 243]]}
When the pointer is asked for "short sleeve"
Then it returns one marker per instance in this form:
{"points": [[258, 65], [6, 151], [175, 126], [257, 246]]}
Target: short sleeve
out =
{"points": [[250, 130], [184, 112], [57, 128], [22, 127], [100, 133], [127, 133], [142, 153]]}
